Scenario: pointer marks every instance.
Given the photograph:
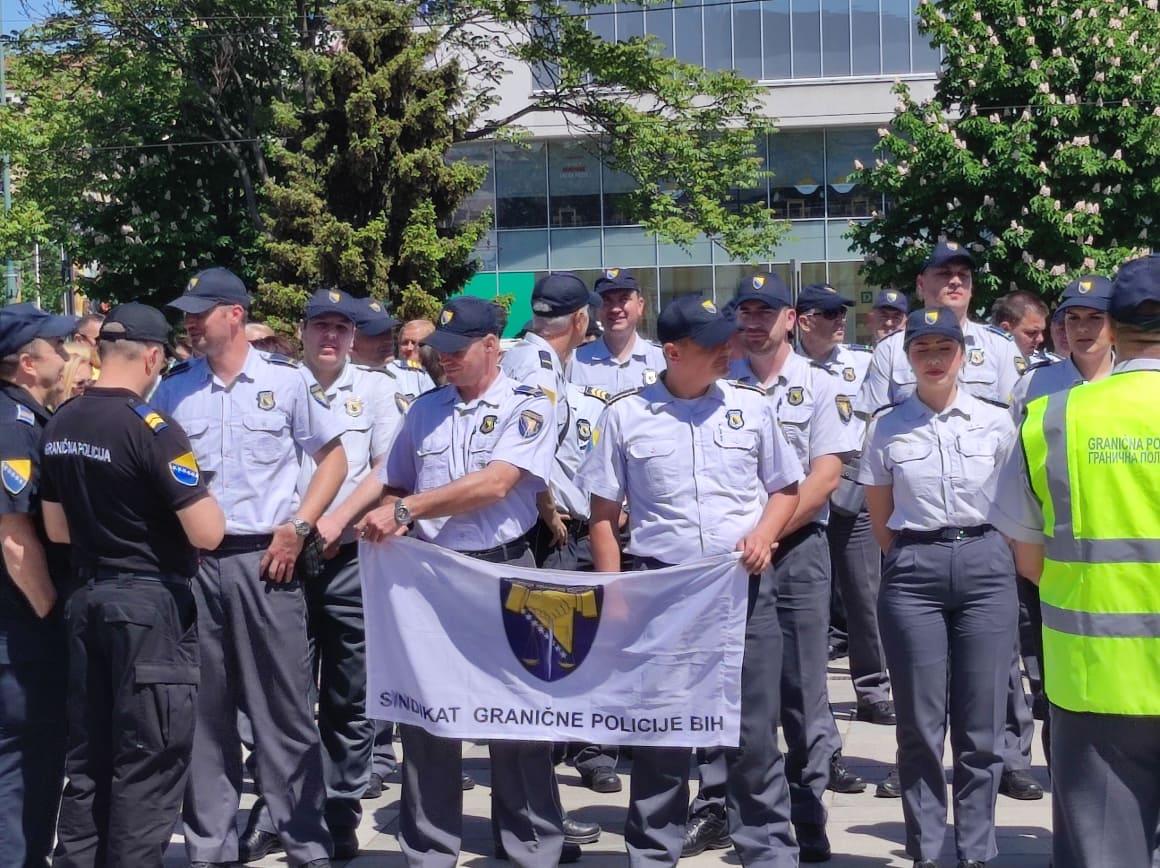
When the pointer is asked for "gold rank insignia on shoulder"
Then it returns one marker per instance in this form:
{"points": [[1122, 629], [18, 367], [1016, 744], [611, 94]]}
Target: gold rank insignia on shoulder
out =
{"points": [[795, 395], [151, 418], [530, 423], [734, 418], [598, 393], [1020, 364], [414, 364], [16, 474], [650, 376], [845, 407], [354, 406], [404, 402], [266, 400], [488, 424], [849, 375], [319, 395], [977, 357]]}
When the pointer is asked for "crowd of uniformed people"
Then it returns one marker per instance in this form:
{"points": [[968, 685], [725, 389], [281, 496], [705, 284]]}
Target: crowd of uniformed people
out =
{"points": [[180, 602]]}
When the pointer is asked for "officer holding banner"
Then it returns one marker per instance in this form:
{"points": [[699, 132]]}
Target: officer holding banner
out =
{"points": [[705, 470], [464, 473]]}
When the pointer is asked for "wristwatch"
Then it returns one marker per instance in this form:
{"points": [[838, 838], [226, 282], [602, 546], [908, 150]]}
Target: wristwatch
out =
{"points": [[301, 527], [402, 514]]}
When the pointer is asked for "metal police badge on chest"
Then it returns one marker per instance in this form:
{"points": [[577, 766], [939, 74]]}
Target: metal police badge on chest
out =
{"points": [[734, 418], [549, 628], [583, 430], [795, 395], [404, 402], [848, 375], [976, 357], [266, 400], [487, 425], [354, 406], [650, 376], [845, 407]]}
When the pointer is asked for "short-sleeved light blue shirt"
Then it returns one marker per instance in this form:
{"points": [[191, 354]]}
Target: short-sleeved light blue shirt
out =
{"points": [[409, 380], [533, 362], [444, 438], [696, 473], [594, 365], [246, 436], [585, 405], [1046, 378]]}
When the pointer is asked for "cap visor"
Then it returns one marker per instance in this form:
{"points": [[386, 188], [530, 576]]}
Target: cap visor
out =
{"points": [[378, 327], [312, 312], [613, 286], [715, 333], [897, 307], [57, 326], [958, 257], [192, 304], [448, 342], [1100, 304]]}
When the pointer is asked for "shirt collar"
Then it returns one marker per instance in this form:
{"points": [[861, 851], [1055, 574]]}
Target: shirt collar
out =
{"points": [[344, 380], [601, 351], [22, 396], [1136, 365], [492, 397], [536, 341], [658, 394], [916, 410]]}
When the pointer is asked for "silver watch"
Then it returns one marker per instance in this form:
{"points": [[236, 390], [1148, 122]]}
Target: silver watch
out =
{"points": [[301, 527], [402, 514]]}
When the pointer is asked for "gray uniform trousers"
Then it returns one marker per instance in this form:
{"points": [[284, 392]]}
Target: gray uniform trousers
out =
{"points": [[856, 562], [1018, 723], [254, 655], [1105, 779], [747, 782], [525, 813], [948, 613]]}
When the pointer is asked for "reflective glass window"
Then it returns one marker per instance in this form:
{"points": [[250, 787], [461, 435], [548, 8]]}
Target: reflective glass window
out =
{"points": [[689, 34], [895, 35], [629, 21], [575, 248], [718, 35], [747, 39], [867, 33], [807, 38], [925, 57], [843, 147], [523, 250], [756, 195], [521, 185], [573, 185], [617, 187], [658, 22], [602, 21], [775, 35], [797, 188], [835, 37], [483, 199], [685, 280]]}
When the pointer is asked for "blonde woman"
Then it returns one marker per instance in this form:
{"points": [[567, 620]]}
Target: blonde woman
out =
{"points": [[82, 367]]}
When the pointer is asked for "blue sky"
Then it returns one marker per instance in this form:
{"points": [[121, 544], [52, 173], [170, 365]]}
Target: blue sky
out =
{"points": [[18, 13]]}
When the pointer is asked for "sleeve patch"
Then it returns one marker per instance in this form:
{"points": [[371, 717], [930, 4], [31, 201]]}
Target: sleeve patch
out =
{"points": [[184, 470], [16, 473], [530, 424], [151, 418], [845, 408]]}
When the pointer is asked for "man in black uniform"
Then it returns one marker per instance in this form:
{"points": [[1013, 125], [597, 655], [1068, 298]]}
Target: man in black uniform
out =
{"points": [[122, 486], [31, 636]]}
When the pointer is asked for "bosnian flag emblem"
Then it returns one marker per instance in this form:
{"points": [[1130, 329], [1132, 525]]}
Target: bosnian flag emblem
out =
{"points": [[183, 468]]}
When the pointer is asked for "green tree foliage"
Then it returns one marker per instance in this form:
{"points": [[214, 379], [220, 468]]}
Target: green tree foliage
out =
{"points": [[1041, 146]]}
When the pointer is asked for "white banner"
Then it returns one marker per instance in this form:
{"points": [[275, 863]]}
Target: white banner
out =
{"points": [[472, 650]]}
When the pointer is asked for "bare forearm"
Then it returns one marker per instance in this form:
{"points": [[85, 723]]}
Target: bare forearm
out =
{"points": [[469, 493], [605, 547], [779, 512], [813, 492], [324, 485], [26, 564], [1029, 561], [367, 494]]}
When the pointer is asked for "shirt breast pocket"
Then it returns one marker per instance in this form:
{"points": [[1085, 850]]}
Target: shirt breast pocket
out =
{"points": [[480, 451], [916, 465], [267, 437], [978, 454], [356, 442], [795, 425], [738, 453], [656, 461], [197, 430], [434, 457]]}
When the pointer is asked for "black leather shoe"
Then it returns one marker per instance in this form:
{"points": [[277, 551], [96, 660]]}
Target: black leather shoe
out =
{"points": [[577, 832], [1020, 785], [925, 863], [813, 844], [345, 843], [374, 788], [707, 831], [1039, 706], [256, 844], [571, 853], [842, 780], [468, 782], [970, 863], [837, 652], [891, 788], [881, 713], [603, 780]]}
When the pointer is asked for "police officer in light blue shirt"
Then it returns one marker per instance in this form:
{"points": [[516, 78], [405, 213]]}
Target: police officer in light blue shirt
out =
{"points": [[817, 420], [620, 359], [248, 414], [705, 470], [464, 473], [374, 339], [947, 604]]}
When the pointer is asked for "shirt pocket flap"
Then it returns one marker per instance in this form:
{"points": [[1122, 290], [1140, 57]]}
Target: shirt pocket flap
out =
{"points": [[165, 673], [195, 427], [426, 450], [359, 423], [977, 444], [900, 453], [270, 422], [727, 438], [641, 449]]}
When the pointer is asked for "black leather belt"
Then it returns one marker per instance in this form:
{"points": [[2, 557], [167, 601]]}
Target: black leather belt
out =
{"points": [[577, 527], [944, 534], [237, 543], [102, 574], [507, 551], [802, 533]]}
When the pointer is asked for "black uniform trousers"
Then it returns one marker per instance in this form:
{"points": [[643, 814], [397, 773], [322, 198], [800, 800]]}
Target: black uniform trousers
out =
{"points": [[133, 676], [753, 791], [32, 733]]}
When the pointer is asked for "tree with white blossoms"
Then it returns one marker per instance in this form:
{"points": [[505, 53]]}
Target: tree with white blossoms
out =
{"points": [[1040, 148]]}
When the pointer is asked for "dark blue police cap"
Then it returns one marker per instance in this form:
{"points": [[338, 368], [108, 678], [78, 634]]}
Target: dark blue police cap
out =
{"points": [[133, 321], [939, 321], [615, 278], [892, 298], [560, 293], [23, 323], [324, 301], [823, 297], [1136, 283], [371, 317], [696, 317], [463, 320], [765, 287], [209, 288], [1087, 290], [948, 251]]}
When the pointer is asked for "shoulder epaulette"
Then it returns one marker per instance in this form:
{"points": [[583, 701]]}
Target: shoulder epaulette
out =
{"points": [[860, 348], [279, 359], [884, 408], [23, 414], [409, 364], [1042, 363], [822, 367], [751, 387], [625, 394], [545, 360], [375, 369], [149, 416], [597, 393], [533, 391], [998, 331], [995, 403], [179, 368]]}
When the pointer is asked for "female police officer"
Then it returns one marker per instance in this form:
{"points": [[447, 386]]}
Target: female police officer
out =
{"points": [[947, 605]]}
